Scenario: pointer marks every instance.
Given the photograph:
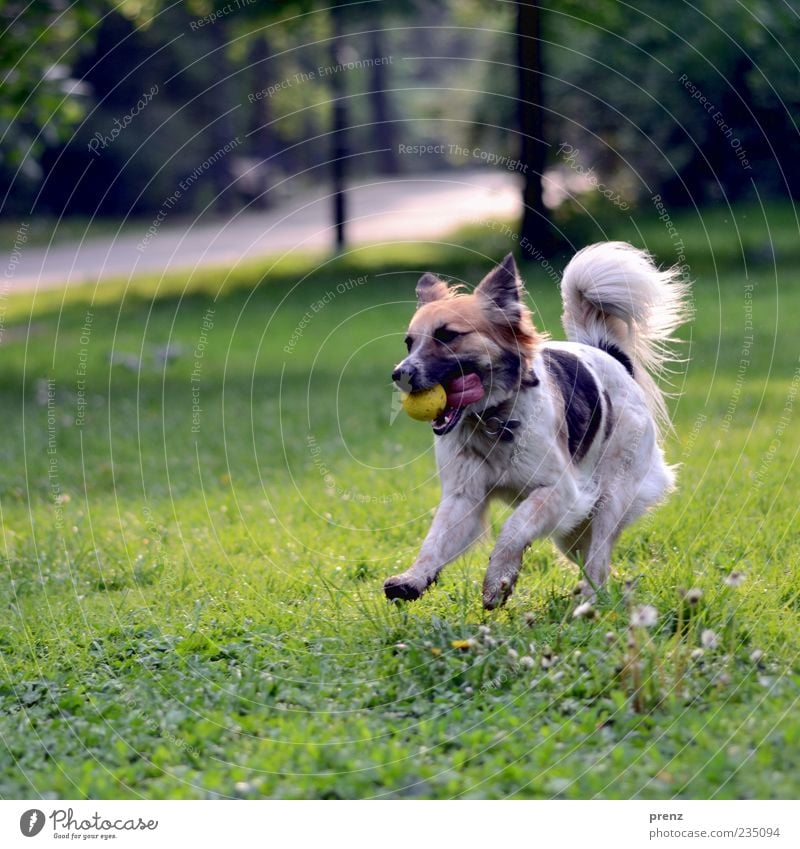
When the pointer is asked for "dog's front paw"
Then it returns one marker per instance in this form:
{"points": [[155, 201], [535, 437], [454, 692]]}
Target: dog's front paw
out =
{"points": [[404, 586], [496, 593]]}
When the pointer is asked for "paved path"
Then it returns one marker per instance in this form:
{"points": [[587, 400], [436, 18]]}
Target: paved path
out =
{"points": [[428, 206]]}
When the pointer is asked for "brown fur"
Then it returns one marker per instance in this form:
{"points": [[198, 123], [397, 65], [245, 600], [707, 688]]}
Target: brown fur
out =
{"points": [[488, 331], [575, 469]]}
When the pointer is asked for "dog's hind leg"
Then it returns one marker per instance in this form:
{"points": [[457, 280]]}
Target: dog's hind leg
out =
{"points": [[623, 503], [459, 521], [589, 546], [575, 543], [597, 566]]}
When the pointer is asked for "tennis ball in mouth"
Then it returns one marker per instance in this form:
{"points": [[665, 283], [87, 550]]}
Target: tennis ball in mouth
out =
{"points": [[427, 405]]}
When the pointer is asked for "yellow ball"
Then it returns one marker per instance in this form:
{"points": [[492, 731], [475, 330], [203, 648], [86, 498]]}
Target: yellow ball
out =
{"points": [[425, 406]]}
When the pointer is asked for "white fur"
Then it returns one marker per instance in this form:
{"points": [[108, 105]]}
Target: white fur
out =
{"points": [[612, 294]]}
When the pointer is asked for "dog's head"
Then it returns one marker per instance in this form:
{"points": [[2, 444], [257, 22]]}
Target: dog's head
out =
{"points": [[478, 346]]}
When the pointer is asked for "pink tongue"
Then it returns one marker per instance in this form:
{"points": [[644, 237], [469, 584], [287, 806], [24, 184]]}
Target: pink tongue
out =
{"points": [[464, 390]]}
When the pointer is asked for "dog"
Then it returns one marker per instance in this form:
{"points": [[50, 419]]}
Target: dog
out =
{"points": [[569, 433]]}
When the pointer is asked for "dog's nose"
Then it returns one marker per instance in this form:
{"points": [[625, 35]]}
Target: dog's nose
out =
{"points": [[404, 375]]}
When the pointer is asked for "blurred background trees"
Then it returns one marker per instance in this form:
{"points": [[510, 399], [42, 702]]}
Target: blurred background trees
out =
{"points": [[455, 74]]}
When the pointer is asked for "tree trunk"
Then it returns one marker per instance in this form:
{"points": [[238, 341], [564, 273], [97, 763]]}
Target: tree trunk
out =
{"points": [[263, 142], [339, 139], [535, 233], [223, 129], [382, 128]]}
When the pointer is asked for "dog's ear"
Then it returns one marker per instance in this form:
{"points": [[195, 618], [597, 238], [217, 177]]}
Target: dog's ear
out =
{"points": [[502, 285], [430, 288]]}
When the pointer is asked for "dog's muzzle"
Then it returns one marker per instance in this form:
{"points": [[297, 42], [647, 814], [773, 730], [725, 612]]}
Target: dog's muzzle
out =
{"points": [[406, 377]]}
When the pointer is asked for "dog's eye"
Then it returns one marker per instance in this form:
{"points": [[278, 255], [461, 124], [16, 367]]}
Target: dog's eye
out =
{"points": [[409, 342], [445, 335]]}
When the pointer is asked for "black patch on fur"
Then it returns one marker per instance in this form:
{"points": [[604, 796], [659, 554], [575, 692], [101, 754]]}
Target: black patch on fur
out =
{"points": [[441, 369], [609, 414], [618, 354], [507, 372], [530, 379], [582, 408]]}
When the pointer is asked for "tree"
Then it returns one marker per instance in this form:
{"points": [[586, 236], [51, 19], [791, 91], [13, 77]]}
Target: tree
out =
{"points": [[535, 232], [41, 103], [381, 121], [339, 137]]}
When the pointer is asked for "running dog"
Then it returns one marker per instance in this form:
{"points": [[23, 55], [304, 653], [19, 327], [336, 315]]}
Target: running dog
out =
{"points": [[566, 432]]}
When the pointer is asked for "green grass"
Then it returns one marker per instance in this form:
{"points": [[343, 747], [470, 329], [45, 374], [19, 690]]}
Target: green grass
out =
{"points": [[199, 614]]}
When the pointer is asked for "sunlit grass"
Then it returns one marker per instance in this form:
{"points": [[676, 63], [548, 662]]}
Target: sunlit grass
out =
{"points": [[199, 612]]}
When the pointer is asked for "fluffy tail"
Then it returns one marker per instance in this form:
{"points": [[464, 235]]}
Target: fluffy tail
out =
{"points": [[614, 295]]}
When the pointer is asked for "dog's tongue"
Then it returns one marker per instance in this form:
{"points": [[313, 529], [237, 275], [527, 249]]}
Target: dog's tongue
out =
{"points": [[464, 390]]}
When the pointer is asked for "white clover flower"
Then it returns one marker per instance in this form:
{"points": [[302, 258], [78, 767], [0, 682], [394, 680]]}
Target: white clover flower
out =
{"points": [[484, 630], [611, 637], [735, 579], [513, 654], [694, 595], [527, 662], [697, 654], [584, 610], [757, 656], [644, 616], [709, 639]]}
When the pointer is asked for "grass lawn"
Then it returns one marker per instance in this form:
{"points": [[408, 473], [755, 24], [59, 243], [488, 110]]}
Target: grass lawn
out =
{"points": [[193, 547]]}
